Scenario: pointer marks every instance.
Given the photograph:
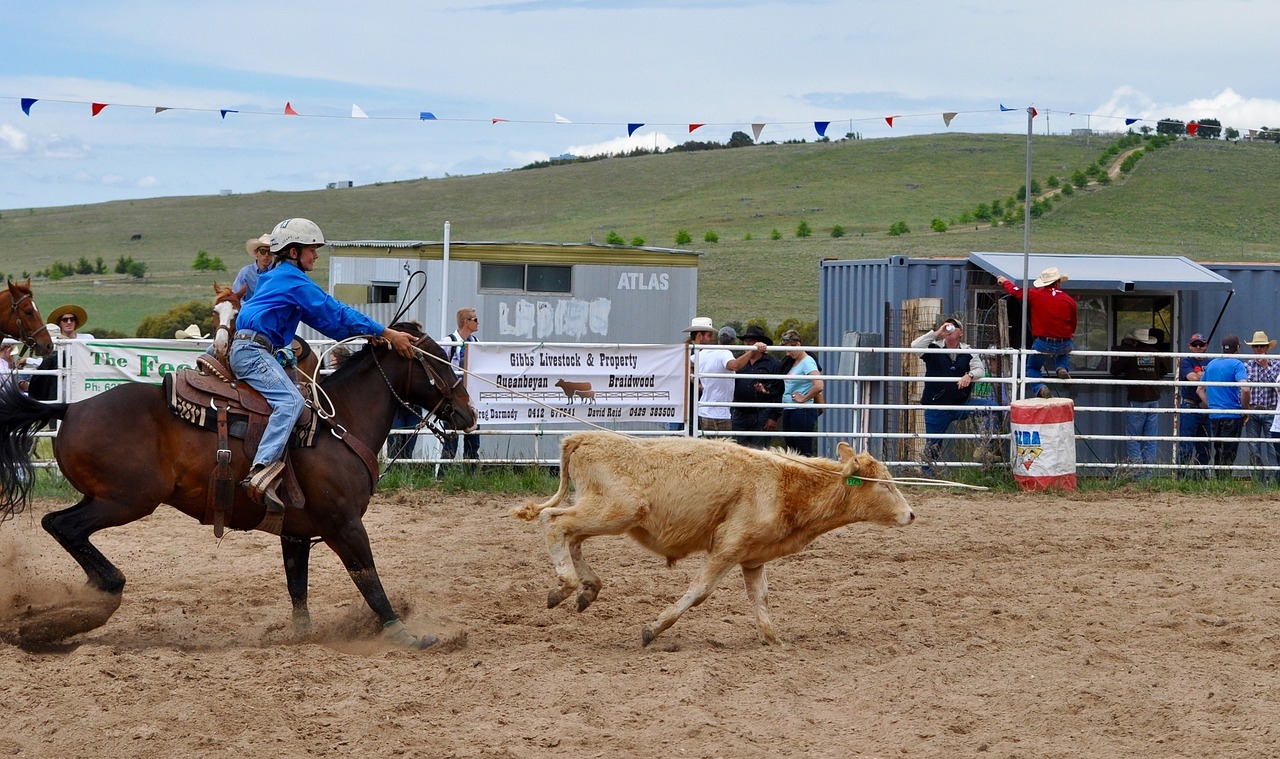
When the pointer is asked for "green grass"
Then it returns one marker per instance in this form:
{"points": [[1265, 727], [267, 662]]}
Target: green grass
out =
{"points": [[1202, 199]]}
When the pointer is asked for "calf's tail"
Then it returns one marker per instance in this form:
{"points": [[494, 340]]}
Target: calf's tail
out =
{"points": [[532, 509]]}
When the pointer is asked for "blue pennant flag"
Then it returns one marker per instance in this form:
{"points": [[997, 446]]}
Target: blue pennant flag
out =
{"points": [[631, 128], [26, 105]]}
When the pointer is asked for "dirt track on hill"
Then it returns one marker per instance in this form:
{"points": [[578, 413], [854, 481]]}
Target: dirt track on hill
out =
{"points": [[1047, 626]]}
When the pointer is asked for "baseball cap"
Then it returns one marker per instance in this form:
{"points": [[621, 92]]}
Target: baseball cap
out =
{"points": [[729, 332], [1197, 338]]}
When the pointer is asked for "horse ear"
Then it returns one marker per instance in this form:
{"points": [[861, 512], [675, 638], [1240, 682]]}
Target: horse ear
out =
{"points": [[216, 290], [243, 289]]}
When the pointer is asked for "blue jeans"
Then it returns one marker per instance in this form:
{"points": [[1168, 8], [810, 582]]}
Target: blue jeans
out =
{"points": [[1260, 454], [800, 419], [1141, 423], [938, 421], [1048, 350], [470, 446], [255, 365], [1193, 455]]}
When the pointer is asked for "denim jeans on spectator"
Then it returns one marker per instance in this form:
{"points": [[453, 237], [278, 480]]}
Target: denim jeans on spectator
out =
{"points": [[1141, 425], [938, 421], [800, 419], [1226, 443], [1260, 453], [1193, 455]]}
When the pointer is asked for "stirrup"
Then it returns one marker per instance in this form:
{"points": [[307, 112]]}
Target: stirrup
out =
{"points": [[259, 482]]}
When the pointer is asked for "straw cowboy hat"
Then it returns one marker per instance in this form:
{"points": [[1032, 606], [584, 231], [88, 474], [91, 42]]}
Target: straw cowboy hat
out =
{"points": [[1049, 276], [258, 242], [700, 324], [81, 317], [1260, 338], [1143, 335], [192, 332]]}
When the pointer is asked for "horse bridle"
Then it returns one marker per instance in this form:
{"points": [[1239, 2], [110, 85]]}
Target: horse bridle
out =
{"points": [[26, 338], [432, 420]]}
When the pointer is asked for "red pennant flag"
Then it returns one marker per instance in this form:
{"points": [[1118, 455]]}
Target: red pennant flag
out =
{"points": [[889, 120], [288, 110], [495, 121], [1034, 112], [97, 108], [693, 127], [1191, 128]]}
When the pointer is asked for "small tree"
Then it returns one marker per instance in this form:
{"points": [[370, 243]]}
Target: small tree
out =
{"points": [[803, 230], [837, 231], [137, 270], [938, 225], [775, 234], [613, 238], [711, 236], [637, 242], [898, 228], [683, 237], [1079, 179], [202, 261]]}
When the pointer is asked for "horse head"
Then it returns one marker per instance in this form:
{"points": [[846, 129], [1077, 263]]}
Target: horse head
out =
{"points": [[20, 319], [432, 384], [226, 304]]}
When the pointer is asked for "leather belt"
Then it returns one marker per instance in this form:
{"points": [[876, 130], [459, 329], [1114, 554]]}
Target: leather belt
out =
{"points": [[254, 337]]}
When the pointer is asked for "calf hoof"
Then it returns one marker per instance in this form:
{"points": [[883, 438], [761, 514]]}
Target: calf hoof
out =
{"points": [[648, 635], [586, 597], [554, 598]]}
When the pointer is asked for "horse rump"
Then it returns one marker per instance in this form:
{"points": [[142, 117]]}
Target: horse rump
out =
{"points": [[20, 419]]}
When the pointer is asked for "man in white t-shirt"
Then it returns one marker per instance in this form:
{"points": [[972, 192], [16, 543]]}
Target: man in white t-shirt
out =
{"points": [[713, 389]]}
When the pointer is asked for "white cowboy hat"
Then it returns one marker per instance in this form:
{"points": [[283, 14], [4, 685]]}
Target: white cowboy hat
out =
{"points": [[192, 332], [1049, 276], [1143, 335], [258, 242], [700, 324], [1260, 338]]}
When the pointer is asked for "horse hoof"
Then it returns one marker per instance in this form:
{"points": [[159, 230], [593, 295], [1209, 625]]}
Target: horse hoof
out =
{"points": [[426, 641]]}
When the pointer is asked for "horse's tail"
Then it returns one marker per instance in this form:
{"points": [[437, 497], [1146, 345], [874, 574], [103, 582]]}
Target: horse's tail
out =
{"points": [[20, 419], [532, 509]]}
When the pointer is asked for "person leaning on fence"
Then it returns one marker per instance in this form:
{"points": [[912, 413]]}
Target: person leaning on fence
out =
{"points": [[800, 392], [1144, 372], [950, 369], [1262, 398], [468, 321], [1225, 402], [712, 390], [1194, 454], [748, 387], [1053, 316]]}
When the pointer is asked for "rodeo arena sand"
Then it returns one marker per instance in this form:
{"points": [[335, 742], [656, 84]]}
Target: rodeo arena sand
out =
{"points": [[1045, 625]]}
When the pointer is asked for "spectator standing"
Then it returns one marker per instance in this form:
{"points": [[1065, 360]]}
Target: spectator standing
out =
{"points": [[1261, 398], [750, 388], [728, 335], [1141, 422], [1193, 455], [260, 249], [711, 389], [1225, 403], [950, 369], [468, 324], [1053, 326], [70, 319], [800, 392]]}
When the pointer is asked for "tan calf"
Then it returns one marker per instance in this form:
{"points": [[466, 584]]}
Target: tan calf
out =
{"points": [[678, 496]]}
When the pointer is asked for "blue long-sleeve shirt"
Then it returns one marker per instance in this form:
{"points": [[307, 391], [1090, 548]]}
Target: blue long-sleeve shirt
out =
{"points": [[286, 296]]}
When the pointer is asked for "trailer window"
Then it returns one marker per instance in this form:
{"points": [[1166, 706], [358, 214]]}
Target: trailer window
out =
{"points": [[534, 278]]}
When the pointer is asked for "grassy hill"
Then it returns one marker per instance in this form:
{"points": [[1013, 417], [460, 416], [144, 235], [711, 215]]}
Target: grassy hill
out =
{"points": [[1205, 200]]}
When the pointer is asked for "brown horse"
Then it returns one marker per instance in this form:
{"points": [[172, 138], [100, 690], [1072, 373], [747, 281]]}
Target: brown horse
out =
{"points": [[226, 306], [20, 319], [168, 460]]}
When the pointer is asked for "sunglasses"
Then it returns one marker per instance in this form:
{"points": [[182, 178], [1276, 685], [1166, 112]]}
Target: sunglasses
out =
{"points": [[67, 319], [1198, 345]]}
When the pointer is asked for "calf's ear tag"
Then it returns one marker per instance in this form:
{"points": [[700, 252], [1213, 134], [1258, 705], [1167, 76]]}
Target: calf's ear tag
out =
{"points": [[851, 481]]}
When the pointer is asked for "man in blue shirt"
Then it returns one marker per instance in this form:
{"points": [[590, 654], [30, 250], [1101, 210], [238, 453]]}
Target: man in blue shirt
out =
{"points": [[1224, 402], [247, 277], [286, 296]]}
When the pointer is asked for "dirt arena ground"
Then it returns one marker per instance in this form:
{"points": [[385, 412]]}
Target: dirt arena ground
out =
{"points": [[1028, 626]]}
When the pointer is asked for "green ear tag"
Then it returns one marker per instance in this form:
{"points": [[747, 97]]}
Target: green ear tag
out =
{"points": [[851, 481]]}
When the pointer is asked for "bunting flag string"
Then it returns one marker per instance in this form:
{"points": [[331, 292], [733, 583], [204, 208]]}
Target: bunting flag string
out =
{"points": [[757, 128]]}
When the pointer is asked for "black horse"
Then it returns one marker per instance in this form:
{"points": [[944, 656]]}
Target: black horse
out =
{"points": [[128, 454]]}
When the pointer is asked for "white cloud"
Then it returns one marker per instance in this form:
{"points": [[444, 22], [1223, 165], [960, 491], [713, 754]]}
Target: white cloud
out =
{"points": [[12, 139], [619, 145], [147, 182], [1229, 107]]}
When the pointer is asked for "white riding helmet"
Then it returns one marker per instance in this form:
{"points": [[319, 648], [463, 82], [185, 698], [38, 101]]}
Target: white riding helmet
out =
{"points": [[301, 231]]}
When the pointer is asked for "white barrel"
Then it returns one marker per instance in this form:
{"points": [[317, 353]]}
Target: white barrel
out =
{"points": [[1044, 443]]}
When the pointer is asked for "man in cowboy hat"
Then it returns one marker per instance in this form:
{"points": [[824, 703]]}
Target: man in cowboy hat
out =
{"points": [[260, 249], [712, 360], [1053, 325], [70, 318], [1263, 373], [1144, 371], [750, 388], [1225, 403], [192, 332]]}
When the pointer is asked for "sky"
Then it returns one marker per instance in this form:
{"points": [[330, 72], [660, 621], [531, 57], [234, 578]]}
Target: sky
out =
{"points": [[570, 76]]}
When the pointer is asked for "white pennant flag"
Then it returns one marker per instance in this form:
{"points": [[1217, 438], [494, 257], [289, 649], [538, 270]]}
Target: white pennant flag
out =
{"points": [[562, 120], [756, 129], [357, 113]]}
